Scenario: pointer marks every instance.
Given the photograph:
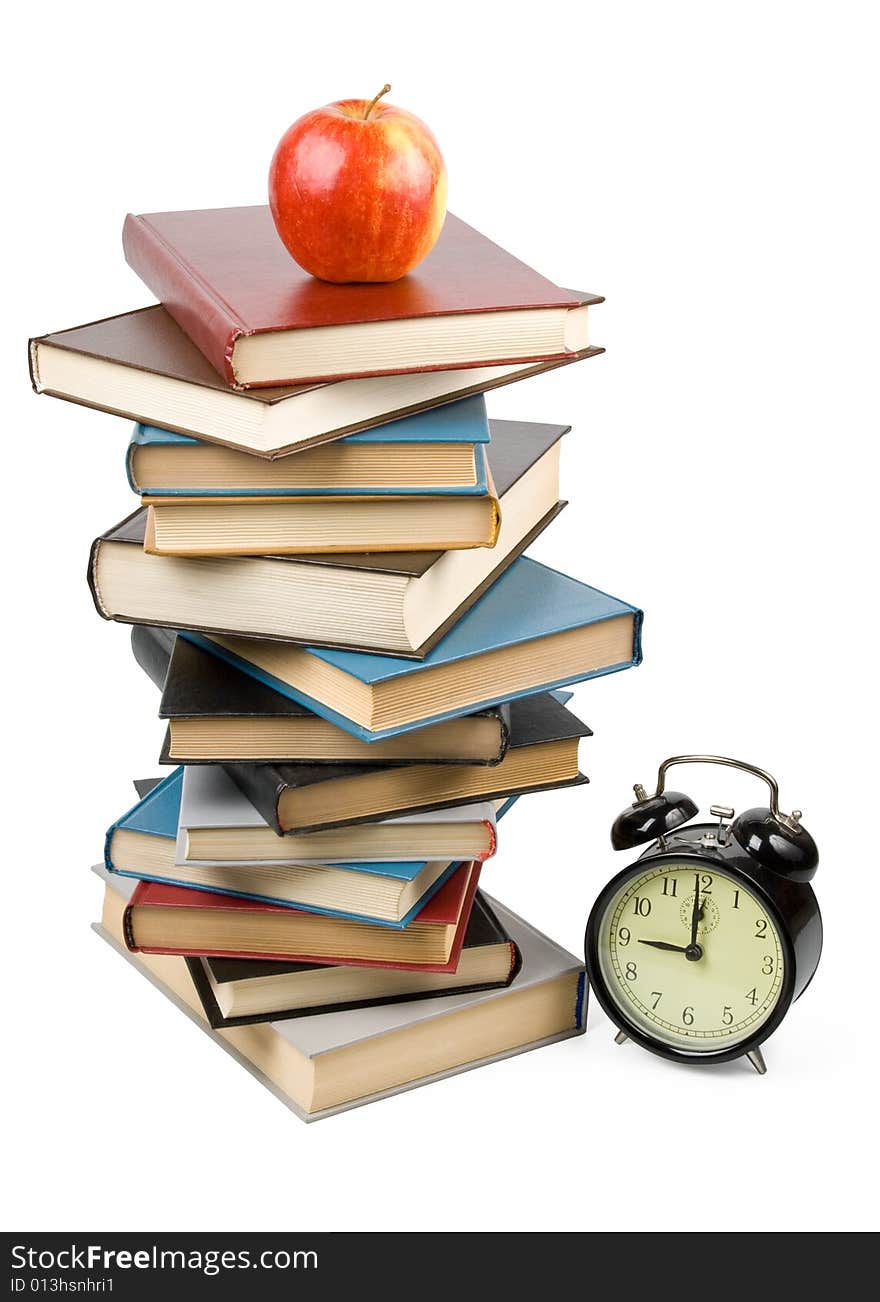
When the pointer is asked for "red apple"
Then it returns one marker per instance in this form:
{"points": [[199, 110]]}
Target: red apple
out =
{"points": [[358, 191]]}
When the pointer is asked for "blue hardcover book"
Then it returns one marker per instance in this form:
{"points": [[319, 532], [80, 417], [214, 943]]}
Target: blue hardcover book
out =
{"points": [[142, 844], [432, 453], [534, 630]]}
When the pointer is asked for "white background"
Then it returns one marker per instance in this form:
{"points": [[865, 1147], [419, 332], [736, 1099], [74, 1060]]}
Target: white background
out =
{"points": [[712, 170]]}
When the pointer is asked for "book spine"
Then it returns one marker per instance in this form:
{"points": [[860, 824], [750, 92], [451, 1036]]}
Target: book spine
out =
{"points": [[206, 319], [638, 621], [494, 506], [581, 998], [494, 521], [493, 840], [92, 579], [33, 368], [128, 931], [504, 724], [129, 467]]}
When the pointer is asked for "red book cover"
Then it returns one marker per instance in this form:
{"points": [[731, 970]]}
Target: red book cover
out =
{"points": [[450, 906], [223, 273]]}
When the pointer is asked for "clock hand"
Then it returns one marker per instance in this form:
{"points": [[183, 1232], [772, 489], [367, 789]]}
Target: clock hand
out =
{"points": [[662, 944], [693, 951], [695, 916]]}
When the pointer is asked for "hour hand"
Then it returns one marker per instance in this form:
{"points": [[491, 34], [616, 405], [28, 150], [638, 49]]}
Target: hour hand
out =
{"points": [[662, 944]]}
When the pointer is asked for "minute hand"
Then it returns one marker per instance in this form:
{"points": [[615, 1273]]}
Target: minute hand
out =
{"points": [[695, 951], [695, 916]]}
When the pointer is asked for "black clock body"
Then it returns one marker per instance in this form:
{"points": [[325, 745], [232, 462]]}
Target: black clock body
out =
{"points": [[791, 904]]}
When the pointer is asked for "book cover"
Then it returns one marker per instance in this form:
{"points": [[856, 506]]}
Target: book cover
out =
{"points": [[484, 930], [529, 602], [142, 366], [226, 278], [157, 813], [344, 941], [143, 786]]}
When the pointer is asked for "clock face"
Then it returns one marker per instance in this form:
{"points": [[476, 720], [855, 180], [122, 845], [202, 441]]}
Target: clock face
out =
{"points": [[700, 997]]}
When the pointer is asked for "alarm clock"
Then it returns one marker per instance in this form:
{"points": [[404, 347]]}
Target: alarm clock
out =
{"points": [[697, 950]]}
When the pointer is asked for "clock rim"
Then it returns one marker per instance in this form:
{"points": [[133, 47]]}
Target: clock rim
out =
{"points": [[634, 1032]]}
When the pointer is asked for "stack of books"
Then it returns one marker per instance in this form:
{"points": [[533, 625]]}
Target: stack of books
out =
{"points": [[359, 668]]}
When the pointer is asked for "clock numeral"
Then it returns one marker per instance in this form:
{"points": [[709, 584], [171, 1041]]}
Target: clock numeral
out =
{"points": [[705, 883], [760, 929], [656, 995], [687, 1015], [736, 899], [623, 936], [641, 906], [631, 972], [727, 1015], [752, 996], [767, 967], [670, 887]]}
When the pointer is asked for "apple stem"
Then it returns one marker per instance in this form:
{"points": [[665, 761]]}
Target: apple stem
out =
{"points": [[375, 100]]}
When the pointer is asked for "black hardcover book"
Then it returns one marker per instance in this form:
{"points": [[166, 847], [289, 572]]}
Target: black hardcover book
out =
{"points": [[384, 583], [542, 754], [273, 992], [143, 786], [217, 714]]}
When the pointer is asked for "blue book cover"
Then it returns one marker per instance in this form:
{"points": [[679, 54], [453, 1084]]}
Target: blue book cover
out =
{"points": [[529, 602], [158, 813], [464, 421]]}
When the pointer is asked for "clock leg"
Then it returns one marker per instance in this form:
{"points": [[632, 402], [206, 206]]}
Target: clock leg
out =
{"points": [[620, 1038], [756, 1058]]}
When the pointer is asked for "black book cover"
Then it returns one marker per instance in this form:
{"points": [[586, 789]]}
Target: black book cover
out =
{"points": [[533, 719], [143, 786], [153, 648], [196, 684], [483, 929], [514, 448]]}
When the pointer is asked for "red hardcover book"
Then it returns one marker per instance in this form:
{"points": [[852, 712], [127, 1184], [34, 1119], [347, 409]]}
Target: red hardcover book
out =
{"points": [[228, 281], [162, 919]]}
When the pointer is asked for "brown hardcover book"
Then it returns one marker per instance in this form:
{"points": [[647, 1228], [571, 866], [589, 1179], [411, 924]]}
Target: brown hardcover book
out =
{"points": [[398, 602], [142, 365], [261, 320]]}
